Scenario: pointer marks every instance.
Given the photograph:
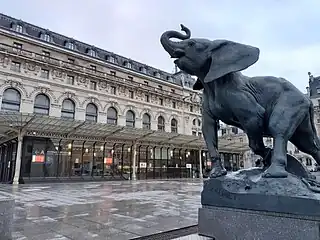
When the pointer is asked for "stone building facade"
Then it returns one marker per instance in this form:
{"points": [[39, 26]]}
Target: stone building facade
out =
{"points": [[151, 118]]}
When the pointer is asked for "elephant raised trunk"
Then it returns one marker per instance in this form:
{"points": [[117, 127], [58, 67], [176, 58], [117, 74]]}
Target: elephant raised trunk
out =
{"points": [[174, 48]]}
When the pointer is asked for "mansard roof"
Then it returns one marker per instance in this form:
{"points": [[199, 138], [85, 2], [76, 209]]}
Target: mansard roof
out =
{"points": [[32, 31]]}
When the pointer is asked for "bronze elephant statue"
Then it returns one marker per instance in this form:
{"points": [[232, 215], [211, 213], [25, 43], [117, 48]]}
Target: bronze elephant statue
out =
{"points": [[262, 106]]}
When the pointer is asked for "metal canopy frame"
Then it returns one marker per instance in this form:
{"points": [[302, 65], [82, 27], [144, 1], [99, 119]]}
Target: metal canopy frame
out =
{"points": [[11, 124]]}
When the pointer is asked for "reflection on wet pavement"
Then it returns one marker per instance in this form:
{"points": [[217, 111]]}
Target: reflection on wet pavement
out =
{"points": [[107, 210]]}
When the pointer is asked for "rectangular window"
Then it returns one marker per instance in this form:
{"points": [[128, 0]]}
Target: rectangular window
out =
{"points": [[130, 78], [173, 104], [160, 87], [93, 68], [70, 60], [131, 94], [146, 83], [70, 79], [194, 133], [46, 53], [93, 85], [318, 90], [173, 91], [161, 101], [44, 73], [113, 73], [146, 97], [113, 90], [223, 131], [234, 130], [191, 108], [200, 134], [17, 47], [15, 66]]}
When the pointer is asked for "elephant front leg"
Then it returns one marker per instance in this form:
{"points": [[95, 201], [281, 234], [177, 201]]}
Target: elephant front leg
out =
{"points": [[210, 134], [278, 165]]}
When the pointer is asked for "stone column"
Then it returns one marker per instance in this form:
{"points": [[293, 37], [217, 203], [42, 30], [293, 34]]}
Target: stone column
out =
{"points": [[134, 154], [200, 165], [18, 160]]}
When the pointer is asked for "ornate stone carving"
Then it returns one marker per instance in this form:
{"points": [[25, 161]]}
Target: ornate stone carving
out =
{"points": [[102, 84], [44, 90], [82, 81], [56, 74], [30, 67]]}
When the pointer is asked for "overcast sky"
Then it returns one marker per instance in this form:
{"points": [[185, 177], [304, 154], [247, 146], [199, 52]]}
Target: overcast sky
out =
{"points": [[286, 31]]}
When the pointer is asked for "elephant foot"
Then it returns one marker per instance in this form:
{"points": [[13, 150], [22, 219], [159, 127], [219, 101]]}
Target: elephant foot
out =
{"points": [[217, 169], [275, 171]]}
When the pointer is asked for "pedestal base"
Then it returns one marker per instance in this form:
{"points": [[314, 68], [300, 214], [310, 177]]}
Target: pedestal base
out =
{"points": [[230, 224], [6, 219]]}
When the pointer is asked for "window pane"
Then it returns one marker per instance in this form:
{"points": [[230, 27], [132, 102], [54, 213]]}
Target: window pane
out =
{"points": [[11, 95], [130, 119], [92, 109], [112, 116], [68, 105]]}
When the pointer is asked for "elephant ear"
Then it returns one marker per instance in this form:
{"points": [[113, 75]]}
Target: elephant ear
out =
{"points": [[227, 57], [197, 85]]}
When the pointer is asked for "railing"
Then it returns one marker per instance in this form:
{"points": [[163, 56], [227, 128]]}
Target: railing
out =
{"points": [[109, 78]]}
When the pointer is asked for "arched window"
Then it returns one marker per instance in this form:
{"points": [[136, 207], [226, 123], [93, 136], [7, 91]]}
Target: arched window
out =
{"points": [[161, 126], [174, 125], [112, 116], [41, 104], [91, 113], [68, 109], [130, 119], [194, 122], [146, 121], [11, 100]]}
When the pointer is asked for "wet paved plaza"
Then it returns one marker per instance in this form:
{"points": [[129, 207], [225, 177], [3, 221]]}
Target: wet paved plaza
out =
{"points": [[103, 210]]}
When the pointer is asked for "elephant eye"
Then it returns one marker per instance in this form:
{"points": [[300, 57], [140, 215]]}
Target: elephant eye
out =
{"points": [[190, 44]]}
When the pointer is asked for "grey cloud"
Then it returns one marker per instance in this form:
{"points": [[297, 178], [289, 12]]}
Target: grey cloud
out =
{"points": [[285, 31]]}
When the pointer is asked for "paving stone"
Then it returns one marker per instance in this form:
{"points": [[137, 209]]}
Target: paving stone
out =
{"points": [[107, 210]]}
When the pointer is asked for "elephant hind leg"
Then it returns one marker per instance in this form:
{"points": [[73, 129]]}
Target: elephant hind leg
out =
{"points": [[283, 123], [306, 140]]}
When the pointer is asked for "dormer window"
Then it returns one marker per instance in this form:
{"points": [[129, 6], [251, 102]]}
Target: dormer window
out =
{"points": [[169, 78], [92, 52], [128, 64], [157, 74], [111, 59], [143, 70], [18, 28], [45, 37], [70, 45]]}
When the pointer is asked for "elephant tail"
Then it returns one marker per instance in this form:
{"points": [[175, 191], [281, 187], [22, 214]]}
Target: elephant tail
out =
{"points": [[316, 138]]}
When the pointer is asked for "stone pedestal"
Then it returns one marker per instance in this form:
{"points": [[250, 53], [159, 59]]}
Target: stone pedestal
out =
{"points": [[245, 206], [230, 224], [6, 219]]}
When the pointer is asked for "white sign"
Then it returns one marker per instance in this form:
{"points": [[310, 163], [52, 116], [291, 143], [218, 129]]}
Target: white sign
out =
{"points": [[188, 165], [143, 164]]}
